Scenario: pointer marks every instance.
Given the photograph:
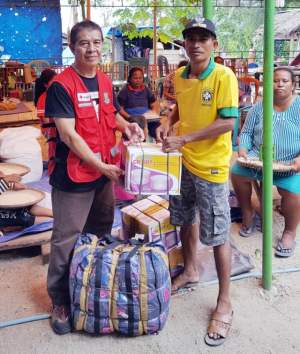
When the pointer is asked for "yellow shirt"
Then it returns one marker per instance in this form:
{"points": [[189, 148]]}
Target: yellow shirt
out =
{"points": [[200, 101]]}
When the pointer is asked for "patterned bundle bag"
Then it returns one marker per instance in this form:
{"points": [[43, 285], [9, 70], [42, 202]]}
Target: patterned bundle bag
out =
{"points": [[118, 286]]}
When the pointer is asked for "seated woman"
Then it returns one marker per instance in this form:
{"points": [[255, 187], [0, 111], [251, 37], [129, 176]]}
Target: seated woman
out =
{"points": [[286, 135], [136, 99]]}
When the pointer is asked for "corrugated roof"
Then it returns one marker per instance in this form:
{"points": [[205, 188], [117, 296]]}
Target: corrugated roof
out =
{"points": [[286, 25]]}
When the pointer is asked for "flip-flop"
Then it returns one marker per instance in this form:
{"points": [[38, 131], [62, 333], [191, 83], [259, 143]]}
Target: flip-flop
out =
{"points": [[281, 251], [220, 324], [185, 287]]}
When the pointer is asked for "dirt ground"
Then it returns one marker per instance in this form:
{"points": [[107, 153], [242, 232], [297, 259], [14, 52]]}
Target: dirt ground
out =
{"points": [[264, 321]]}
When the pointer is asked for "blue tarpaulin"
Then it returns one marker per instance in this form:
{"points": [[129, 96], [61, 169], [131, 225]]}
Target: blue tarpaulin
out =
{"points": [[31, 30], [117, 32]]}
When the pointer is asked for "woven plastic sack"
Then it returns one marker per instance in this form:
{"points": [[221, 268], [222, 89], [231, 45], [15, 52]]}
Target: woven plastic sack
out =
{"points": [[120, 287]]}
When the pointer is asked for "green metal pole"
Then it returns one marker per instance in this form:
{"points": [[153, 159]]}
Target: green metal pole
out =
{"points": [[208, 12], [267, 148], [208, 9]]}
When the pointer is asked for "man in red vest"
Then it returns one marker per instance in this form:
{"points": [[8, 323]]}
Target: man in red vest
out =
{"points": [[82, 159]]}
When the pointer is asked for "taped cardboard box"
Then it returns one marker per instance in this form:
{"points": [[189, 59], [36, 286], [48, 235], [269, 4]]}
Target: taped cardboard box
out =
{"points": [[150, 217], [148, 170], [176, 263]]}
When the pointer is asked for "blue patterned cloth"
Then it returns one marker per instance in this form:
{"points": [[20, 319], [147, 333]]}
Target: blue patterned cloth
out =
{"points": [[286, 140], [286, 132]]}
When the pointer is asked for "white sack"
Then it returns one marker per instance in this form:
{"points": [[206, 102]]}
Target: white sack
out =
{"points": [[20, 145]]}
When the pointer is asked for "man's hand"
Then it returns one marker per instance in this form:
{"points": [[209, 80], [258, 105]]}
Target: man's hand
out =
{"points": [[162, 132], [172, 143], [243, 153], [296, 164], [134, 133], [111, 171]]}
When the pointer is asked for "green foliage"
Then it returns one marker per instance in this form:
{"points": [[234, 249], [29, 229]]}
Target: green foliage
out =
{"points": [[292, 3], [236, 27], [169, 19]]}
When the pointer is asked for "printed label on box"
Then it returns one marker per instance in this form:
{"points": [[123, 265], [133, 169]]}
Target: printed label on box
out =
{"points": [[149, 170]]}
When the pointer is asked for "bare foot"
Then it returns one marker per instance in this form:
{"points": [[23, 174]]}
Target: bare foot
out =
{"points": [[288, 239], [223, 309], [223, 306], [248, 219], [184, 280]]}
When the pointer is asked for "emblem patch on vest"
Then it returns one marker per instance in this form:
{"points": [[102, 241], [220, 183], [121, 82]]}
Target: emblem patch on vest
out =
{"points": [[207, 96], [106, 98], [214, 171]]}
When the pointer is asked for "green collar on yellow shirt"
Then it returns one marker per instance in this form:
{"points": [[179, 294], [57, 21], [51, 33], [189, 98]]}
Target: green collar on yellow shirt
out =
{"points": [[203, 75]]}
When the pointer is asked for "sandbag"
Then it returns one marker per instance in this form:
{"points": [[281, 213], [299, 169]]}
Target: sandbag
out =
{"points": [[117, 286], [20, 145]]}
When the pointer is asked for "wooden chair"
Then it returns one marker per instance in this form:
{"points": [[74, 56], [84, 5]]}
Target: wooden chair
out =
{"points": [[119, 70], [163, 66], [230, 63], [238, 126], [250, 80], [119, 74], [37, 66]]}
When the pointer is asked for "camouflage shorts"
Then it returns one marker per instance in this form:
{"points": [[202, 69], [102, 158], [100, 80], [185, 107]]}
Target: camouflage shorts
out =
{"points": [[210, 200]]}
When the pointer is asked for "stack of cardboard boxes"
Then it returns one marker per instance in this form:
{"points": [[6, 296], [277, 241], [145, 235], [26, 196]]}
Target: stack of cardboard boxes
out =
{"points": [[150, 171], [150, 218]]}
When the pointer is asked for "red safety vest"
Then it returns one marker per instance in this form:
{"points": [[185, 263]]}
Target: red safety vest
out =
{"points": [[46, 123], [98, 134]]}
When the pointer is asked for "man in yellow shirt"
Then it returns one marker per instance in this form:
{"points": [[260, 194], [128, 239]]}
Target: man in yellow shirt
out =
{"points": [[207, 105]]}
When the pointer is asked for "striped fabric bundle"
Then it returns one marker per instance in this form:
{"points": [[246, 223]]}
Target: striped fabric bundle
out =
{"points": [[117, 286], [4, 186]]}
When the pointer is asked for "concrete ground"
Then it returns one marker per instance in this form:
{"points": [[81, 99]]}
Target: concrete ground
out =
{"points": [[264, 321]]}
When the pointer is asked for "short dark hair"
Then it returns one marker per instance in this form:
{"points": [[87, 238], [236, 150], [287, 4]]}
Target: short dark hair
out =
{"points": [[132, 71], [287, 69], [40, 83], [86, 24]]}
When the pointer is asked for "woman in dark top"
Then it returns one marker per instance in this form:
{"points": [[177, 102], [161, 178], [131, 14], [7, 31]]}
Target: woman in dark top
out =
{"points": [[136, 98]]}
